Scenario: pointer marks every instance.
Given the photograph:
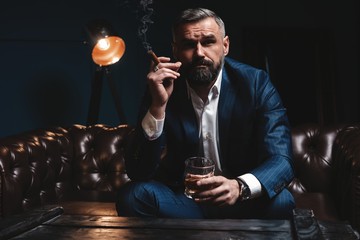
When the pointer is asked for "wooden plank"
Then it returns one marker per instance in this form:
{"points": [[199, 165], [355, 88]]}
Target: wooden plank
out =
{"points": [[23, 222], [98, 233], [254, 225], [338, 230]]}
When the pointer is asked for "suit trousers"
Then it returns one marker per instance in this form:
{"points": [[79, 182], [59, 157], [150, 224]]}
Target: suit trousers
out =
{"points": [[155, 199]]}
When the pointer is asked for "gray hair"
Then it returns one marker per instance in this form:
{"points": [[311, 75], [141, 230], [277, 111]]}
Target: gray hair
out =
{"points": [[195, 15]]}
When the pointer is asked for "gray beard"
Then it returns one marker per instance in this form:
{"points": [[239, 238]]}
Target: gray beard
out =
{"points": [[203, 76]]}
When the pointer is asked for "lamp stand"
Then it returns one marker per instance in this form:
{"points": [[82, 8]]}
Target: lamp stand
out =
{"points": [[95, 97]]}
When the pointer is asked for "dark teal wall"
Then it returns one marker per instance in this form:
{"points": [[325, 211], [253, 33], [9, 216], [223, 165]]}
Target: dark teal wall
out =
{"points": [[46, 68]]}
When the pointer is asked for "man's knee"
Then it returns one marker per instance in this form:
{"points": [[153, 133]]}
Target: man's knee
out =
{"points": [[134, 199], [140, 199]]}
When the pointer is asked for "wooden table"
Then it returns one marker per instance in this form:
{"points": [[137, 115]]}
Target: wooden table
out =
{"points": [[53, 224]]}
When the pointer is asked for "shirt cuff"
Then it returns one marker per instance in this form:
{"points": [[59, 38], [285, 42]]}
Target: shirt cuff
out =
{"points": [[253, 184], [152, 126]]}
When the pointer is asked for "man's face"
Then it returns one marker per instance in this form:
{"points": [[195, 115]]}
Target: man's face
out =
{"points": [[201, 48]]}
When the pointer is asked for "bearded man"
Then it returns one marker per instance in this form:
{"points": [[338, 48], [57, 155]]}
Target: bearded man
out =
{"points": [[204, 103]]}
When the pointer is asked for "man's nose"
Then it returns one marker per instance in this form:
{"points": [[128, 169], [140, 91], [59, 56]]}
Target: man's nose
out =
{"points": [[199, 50]]}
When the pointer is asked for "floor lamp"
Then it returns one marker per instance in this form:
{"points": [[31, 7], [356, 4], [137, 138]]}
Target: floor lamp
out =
{"points": [[107, 49]]}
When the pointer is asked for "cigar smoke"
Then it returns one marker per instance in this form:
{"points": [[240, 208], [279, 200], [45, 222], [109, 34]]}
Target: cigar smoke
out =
{"points": [[145, 11]]}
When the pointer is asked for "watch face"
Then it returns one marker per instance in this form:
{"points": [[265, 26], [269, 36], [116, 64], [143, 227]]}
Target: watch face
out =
{"points": [[245, 192]]}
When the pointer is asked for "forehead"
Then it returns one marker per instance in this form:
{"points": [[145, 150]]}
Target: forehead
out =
{"points": [[195, 30]]}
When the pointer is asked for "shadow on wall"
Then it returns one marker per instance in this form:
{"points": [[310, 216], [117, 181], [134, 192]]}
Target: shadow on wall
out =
{"points": [[52, 99]]}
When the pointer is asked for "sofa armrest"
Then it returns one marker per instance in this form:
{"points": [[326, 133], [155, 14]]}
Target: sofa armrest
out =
{"points": [[346, 153]]}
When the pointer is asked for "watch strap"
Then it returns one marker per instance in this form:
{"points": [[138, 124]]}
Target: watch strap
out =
{"points": [[244, 190]]}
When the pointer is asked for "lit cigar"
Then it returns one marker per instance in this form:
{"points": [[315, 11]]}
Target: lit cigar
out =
{"points": [[153, 57]]}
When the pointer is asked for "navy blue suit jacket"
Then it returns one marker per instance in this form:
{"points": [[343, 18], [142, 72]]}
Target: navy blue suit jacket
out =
{"points": [[254, 132]]}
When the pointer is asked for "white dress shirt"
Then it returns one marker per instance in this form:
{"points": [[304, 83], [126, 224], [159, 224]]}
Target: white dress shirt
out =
{"points": [[206, 114]]}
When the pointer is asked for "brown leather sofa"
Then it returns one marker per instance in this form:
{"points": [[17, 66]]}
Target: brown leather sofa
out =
{"points": [[80, 168]]}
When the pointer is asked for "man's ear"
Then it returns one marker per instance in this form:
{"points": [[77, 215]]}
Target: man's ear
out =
{"points": [[226, 42]]}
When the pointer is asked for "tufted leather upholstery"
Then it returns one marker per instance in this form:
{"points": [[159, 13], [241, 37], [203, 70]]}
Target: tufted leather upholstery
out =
{"points": [[326, 164], [312, 153], [64, 165], [82, 167]]}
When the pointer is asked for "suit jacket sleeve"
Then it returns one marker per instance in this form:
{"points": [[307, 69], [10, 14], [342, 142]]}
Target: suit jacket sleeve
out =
{"points": [[255, 133]]}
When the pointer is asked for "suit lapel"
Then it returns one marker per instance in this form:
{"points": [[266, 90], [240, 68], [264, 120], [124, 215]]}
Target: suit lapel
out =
{"points": [[188, 120], [186, 115], [225, 108]]}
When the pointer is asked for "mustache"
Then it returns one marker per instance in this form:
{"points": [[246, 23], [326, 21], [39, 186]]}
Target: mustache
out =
{"points": [[201, 62]]}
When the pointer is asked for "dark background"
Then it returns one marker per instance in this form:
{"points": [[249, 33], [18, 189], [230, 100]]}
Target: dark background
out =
{"points": [[310, 48]]}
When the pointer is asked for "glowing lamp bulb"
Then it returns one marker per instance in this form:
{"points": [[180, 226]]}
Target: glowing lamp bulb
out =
{"points": [[108, 50], [103, 44]]}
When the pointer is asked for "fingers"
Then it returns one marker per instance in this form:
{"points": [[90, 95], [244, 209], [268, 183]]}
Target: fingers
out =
{"points": [[162, 72], [217, 190], [172, 66], [156, 68], [164, 62]]}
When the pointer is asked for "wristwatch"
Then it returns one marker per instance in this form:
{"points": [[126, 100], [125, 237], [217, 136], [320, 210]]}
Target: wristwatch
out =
{"points": [[244, 190]]}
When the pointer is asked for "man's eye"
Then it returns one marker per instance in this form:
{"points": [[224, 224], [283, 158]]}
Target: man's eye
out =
{"points": [[208, 42]]}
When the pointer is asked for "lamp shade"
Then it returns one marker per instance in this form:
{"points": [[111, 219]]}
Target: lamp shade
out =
{"points": [[107, 47]]}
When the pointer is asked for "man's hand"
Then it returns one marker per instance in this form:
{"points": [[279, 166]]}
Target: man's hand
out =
{"points": [[218, 190], [161, 84]]}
